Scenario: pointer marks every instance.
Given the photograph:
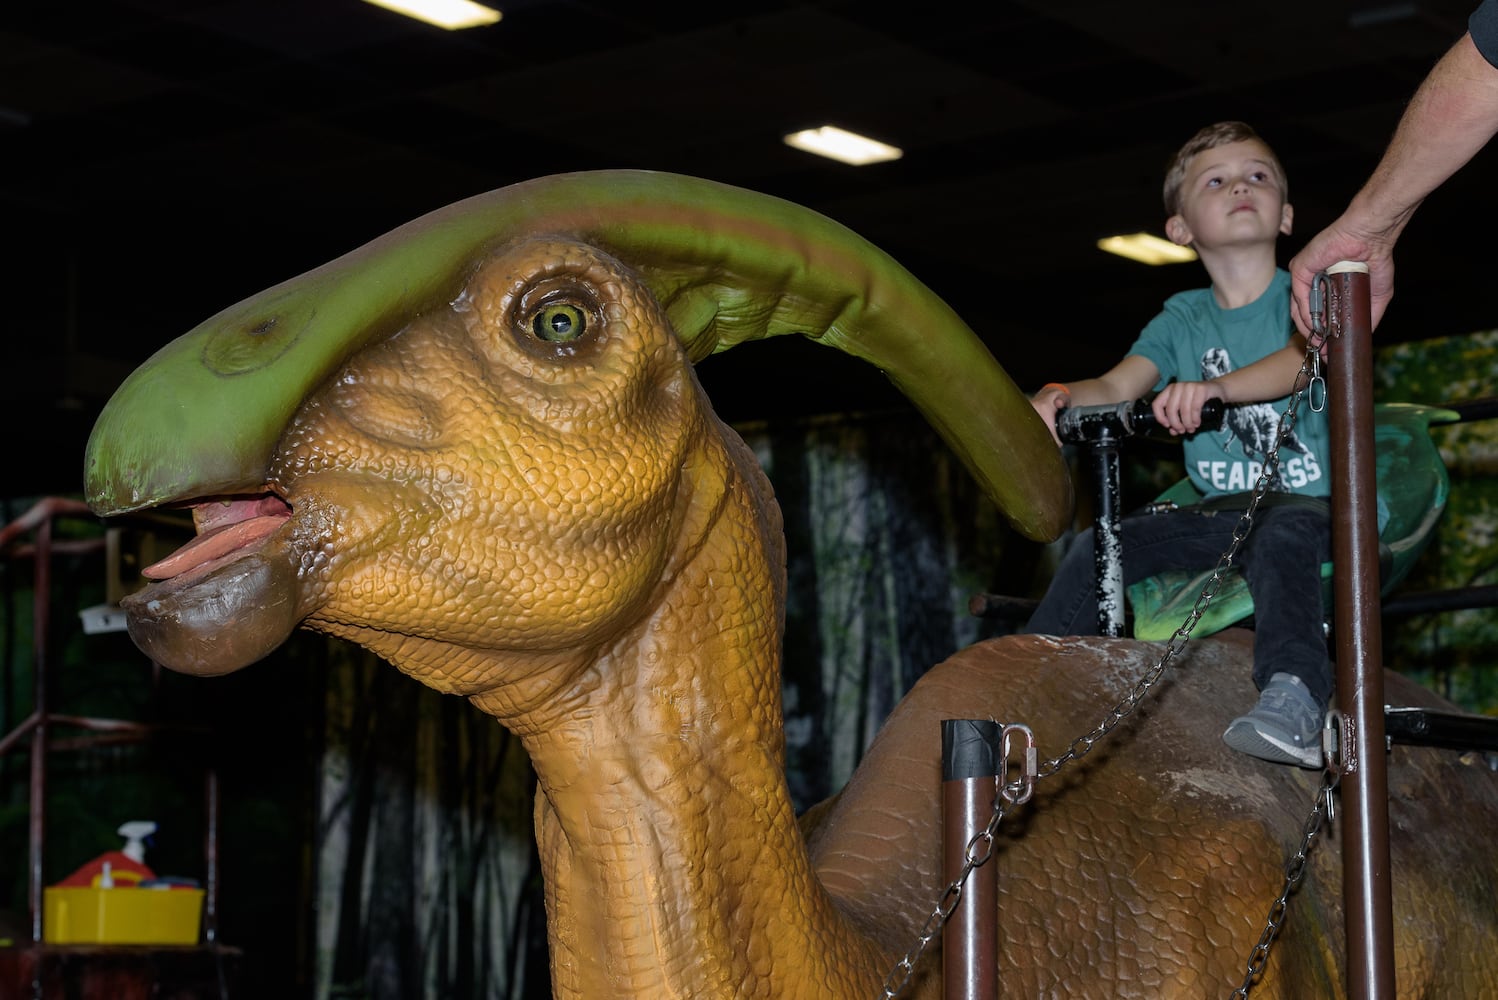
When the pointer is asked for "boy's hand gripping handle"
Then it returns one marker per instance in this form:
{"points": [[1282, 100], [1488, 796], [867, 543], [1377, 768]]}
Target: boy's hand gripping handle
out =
{"points": [[1080, 424]]}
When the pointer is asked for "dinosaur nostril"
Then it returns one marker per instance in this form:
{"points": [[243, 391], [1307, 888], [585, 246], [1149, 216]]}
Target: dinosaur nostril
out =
{"points": [[250, 342]]}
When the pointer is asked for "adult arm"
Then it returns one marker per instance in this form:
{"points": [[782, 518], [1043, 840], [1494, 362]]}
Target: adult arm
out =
{"points": [[1452, 115]]}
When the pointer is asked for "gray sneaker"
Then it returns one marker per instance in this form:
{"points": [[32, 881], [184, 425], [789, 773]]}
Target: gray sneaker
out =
{"points": [[1284, 727]]}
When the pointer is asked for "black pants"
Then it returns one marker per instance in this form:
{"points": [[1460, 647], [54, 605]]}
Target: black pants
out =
{"points": [[1280, 558]]}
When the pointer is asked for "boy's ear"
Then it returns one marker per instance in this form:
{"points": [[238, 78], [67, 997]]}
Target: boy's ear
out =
{"points": [[1287, 216], [1177, 231]]}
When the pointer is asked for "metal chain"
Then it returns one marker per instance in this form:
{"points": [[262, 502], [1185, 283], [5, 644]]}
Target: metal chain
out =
{"points": [[1321, 808], [1016, 738], [1083, 745], [899, 976], [1295, 871]]}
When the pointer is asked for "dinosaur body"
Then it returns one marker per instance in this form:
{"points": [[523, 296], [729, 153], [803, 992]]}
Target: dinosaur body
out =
{"points": [[1148, 868], [516, 491]]}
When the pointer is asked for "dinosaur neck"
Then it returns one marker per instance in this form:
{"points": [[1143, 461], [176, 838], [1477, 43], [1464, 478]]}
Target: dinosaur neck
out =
{"points": [[664, 821]]}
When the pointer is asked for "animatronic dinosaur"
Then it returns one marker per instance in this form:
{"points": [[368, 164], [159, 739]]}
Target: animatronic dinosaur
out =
{"points": [[477, 447]]}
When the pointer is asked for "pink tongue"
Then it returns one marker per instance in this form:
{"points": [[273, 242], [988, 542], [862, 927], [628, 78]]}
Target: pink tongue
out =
{"points": [[215, 543]]}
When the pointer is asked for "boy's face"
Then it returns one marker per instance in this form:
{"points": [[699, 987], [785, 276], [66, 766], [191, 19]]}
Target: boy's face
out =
{"points": [[1231, 196]]}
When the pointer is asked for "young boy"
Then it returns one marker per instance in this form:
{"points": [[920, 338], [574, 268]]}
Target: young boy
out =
{"points": [[1225, 196]]}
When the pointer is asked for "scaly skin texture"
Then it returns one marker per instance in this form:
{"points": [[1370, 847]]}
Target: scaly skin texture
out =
{"points": [[1148, 869], [557, 527], [580, 547]]}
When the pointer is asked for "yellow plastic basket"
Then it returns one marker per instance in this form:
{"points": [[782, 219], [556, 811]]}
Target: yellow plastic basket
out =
{"points": [[121, 916]]}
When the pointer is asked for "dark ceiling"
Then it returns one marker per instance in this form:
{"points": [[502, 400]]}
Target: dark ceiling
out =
{"points": [[165, 158]]}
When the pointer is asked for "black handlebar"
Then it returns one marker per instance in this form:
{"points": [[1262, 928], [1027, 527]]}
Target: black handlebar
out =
{"points": [[1078, 424]]}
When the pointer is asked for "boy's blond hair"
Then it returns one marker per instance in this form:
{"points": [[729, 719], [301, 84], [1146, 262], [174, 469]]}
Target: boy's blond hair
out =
{"points": [[1211, 137]]}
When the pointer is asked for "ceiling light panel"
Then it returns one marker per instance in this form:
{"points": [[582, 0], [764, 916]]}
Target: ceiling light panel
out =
{"points": [[1147, 249], [842, 145], [449, 14]]}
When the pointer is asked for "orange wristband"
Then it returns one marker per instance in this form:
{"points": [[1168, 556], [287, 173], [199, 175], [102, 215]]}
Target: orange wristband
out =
{"points": [[1057, 385]]}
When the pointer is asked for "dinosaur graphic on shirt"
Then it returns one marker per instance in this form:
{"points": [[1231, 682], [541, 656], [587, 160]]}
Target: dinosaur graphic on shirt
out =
{"points": [[1255, 426]]}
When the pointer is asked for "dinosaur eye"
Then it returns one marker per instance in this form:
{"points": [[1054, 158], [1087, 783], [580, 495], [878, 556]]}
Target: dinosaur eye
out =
{"points": [[559, 323], [559, 317]]}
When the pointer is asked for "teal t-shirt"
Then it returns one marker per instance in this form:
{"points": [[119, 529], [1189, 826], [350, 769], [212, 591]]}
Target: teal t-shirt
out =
{"points": [[1193, 338]]}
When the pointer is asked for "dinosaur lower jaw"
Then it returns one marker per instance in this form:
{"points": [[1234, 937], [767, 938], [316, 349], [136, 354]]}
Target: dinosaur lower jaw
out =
{"points": [[225, 600]]}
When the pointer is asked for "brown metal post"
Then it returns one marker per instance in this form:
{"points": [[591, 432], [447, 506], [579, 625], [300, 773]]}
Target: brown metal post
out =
{"points": [[210, 852], [40, 618], [971, 762], [1359, 642]]}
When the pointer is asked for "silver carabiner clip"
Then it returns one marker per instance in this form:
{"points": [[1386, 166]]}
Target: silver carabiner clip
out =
{"points": [[1018, 792], [1317, 305], [1335, 740]]}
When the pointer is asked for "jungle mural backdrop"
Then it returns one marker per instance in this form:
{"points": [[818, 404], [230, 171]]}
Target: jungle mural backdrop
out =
{"points": [[1454, 652], [377, 836]]}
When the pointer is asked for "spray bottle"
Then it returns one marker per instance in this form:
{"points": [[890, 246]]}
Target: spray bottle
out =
{"points": [[125, 868]]}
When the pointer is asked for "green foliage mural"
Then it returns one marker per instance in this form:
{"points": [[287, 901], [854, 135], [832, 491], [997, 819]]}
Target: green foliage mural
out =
{"points": [[1452, 652]]}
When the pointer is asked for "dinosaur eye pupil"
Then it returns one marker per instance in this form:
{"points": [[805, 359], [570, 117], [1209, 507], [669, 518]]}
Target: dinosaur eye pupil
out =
{"points": [[559, 323]]}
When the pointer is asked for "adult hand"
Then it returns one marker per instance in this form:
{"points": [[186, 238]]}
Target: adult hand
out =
{"points": [[1453, 114], [1178, 407], [1344, 239]]}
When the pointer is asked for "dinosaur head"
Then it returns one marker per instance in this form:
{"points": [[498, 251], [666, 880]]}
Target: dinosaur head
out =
{"points": [[484, 424]]}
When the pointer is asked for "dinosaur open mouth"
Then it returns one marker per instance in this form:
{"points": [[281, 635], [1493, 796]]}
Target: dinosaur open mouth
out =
{"points": [[225, 599], [227, 530]]}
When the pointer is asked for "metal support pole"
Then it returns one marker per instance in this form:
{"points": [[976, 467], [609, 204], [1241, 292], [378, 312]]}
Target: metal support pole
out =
{"points": [[210, 854], [40, 618], [972, 759], [1359, 642], [1107, 538], [1101, 430]]}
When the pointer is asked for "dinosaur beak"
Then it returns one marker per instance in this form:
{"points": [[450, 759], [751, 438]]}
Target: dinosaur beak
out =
{"points": [[203, 415]]}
